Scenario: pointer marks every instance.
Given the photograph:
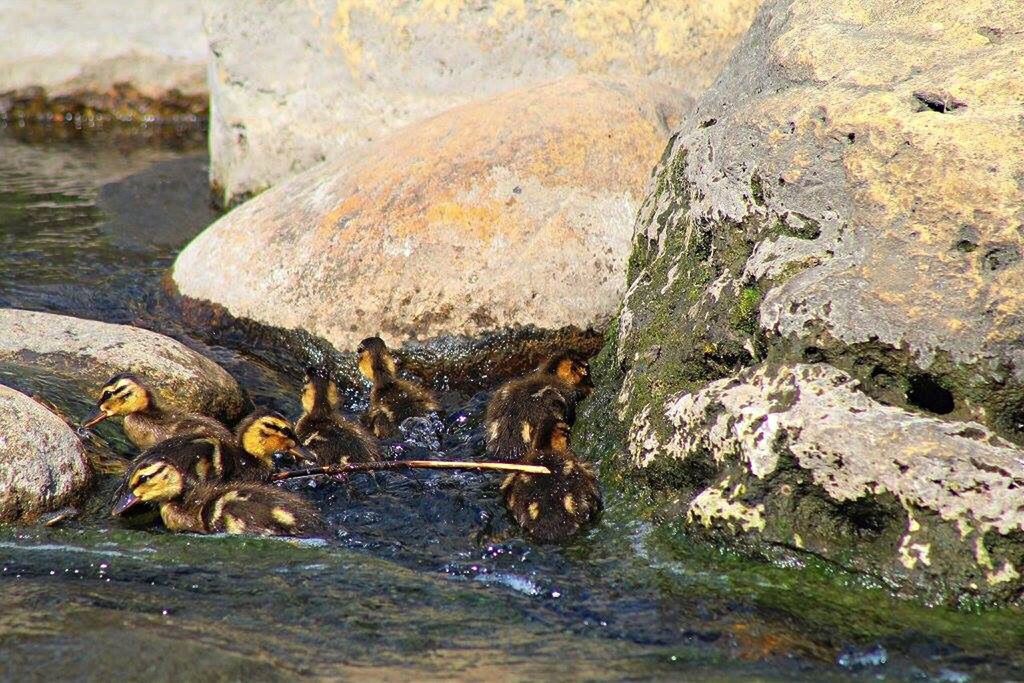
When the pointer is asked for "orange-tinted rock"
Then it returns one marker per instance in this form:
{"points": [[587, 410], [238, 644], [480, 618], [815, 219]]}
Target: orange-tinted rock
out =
{"points": [[515, 210]]}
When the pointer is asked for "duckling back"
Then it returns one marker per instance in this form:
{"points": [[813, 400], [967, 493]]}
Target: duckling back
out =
{"points": [[392, 399], [335, 440], [393, 402], [258, 509], [324, 431], [206, 459], [553, 507], [147, 429], [518, 409]]}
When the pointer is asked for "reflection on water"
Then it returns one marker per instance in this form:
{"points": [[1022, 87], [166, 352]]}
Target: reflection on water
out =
{"points": [[422, 575]]}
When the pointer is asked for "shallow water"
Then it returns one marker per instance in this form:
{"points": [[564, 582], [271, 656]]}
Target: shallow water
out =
{"points": [[422, 576]]}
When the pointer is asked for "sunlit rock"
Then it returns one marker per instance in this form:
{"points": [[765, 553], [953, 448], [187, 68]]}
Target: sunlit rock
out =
{"points": [[848, 194], [91, 352], [515, 210], [295, 83], [42, 463]]}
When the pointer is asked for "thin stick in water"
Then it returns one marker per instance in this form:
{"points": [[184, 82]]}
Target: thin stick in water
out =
{"points": [[410, 464]]}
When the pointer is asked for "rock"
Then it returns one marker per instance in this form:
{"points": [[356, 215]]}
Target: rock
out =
{"points": [[42, 463], [293, 84], [66, 48], [848, 192], [798, 456], [515, 210], [92, 352]]}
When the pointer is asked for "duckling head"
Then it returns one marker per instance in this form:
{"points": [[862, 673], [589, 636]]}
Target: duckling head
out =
{"points": [[265, 432], [122, 395], [571, 368], [553, 435], [151, 480], [319, 391], [375, 359]]}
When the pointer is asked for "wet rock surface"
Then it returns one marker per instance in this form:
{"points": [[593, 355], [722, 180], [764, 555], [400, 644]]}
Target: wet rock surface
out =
{"points": [[293, 84], [42, 463], [91, 352], [830, 200], [512, 211]]}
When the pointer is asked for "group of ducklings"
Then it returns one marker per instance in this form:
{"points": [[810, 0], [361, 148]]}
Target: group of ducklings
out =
{"points": [[206, 479]]}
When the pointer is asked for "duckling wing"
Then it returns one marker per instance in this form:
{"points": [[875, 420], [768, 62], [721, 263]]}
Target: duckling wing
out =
{"points": [[339, 441], [555, 507], [519, 408], [261, 510]]}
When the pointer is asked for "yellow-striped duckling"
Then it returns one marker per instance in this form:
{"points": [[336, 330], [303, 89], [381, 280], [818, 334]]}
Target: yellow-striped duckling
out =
{"points": [[146, 422], [519, 407], [248, 456], [553, 507], [325, 432], [206, 508], [392, 399]]}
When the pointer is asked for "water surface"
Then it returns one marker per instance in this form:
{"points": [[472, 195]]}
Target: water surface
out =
{"points": [[421, 576]]}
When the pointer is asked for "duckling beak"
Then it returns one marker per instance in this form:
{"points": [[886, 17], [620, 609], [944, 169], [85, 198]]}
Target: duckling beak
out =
{"points": [[95, 420], [127, 501], [304, 455]]}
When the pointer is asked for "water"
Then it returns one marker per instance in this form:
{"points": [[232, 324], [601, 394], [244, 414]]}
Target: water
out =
{"points": [[422, 575]]}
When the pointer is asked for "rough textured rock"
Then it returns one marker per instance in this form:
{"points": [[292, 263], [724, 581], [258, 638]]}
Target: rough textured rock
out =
{"points": [[42, 463], [92, 352], [65, 47], [293, 84], [799, 456], [848, 192], [515, 210]]}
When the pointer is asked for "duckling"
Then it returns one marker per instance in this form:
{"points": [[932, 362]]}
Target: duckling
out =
{"points": [[520, 406], [205, 508], [146, 423], [553, 507], [322, 429], [392, 400], [247, 456]]}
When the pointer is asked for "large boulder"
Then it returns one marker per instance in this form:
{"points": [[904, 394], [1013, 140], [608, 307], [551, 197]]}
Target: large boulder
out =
{"points": [[849, 192], [156, 46], [515, 210], [91, 352], [293, 84], [42, 463]]}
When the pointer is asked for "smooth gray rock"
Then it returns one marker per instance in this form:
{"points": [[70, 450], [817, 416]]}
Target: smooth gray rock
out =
{"points": [[91, 352], [42, 463]]}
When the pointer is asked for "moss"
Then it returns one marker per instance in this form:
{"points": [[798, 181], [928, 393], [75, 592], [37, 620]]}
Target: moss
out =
{"points": [[746, 312]]}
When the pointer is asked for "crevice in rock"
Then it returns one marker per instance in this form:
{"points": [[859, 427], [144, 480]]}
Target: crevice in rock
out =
{"points": [[941, 102], [927, 394]]}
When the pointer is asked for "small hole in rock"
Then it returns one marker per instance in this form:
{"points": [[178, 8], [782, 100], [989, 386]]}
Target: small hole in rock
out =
{"points": [[812, 354], [925, 393]]}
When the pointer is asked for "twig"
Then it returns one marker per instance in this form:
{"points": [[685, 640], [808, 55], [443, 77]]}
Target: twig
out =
{"points": [[409, 464]]}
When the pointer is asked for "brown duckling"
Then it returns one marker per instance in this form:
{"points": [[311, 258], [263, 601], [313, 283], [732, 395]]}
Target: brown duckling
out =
{"points": [[322, 429], [392, 400], [146, 422], [206, 508], [553, 507], [248, 456], [519, 407]]}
